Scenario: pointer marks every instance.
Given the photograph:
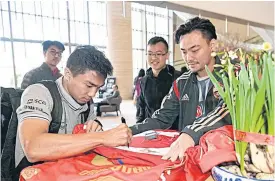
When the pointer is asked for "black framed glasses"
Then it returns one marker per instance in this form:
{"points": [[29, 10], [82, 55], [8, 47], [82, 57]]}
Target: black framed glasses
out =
{"points": [[54, 53], [158, 55]]}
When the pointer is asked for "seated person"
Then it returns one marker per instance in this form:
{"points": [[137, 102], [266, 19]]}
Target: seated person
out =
{"points": [[115, 94], [85, 72], [191, 99]]}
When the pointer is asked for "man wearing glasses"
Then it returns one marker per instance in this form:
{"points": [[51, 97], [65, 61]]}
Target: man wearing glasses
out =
{"points": [[52, 51], [158, 80]]}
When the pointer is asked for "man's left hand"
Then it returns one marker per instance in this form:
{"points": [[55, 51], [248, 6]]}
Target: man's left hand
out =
{"points": [[92, 126], [178, 148]]}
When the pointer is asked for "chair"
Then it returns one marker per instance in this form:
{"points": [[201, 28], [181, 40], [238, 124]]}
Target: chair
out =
{"points": [[114, 105]]}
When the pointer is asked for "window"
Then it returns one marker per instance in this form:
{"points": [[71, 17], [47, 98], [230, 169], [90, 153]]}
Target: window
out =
{"points": [[147, 22], [32, 24]]}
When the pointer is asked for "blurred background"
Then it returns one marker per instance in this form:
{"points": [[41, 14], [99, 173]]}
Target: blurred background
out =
{"points": [[121, 29]]}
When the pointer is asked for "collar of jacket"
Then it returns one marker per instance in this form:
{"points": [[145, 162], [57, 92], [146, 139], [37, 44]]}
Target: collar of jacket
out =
{"points": [[217, 61], [167, 71], [45, 66]]}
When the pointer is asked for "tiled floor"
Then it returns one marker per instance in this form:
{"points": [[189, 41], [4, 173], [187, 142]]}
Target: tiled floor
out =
{"points": [[128, 111]]}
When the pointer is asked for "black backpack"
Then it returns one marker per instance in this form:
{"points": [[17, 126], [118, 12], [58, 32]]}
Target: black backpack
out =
{"points": [[10, 101]]}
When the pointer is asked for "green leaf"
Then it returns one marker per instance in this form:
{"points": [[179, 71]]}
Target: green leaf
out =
{"points": [[215, 82]]}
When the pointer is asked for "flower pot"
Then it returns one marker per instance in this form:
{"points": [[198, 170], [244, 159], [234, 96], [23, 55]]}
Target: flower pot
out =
{"points": [[220, 174]]}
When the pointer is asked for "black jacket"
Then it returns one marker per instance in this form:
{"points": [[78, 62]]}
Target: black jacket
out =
{"points": [[154, 89], [38, 74], [182, 102]]}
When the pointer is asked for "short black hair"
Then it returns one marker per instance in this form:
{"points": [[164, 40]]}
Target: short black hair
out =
{"points": [[203, 25], [87, 57], [141, 73], [158, 39], [46, 45]]}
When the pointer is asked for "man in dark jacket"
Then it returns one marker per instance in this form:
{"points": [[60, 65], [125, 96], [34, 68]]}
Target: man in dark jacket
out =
{"points": [[192, 97], [158, 80], [48, 70]]}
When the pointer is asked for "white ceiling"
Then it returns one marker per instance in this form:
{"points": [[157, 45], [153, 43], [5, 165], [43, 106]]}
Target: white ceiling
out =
{"points": [[255, 11]]}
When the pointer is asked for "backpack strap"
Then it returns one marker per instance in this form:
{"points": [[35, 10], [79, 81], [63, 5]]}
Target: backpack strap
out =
{"points": [[86, 113], [57, 105]]}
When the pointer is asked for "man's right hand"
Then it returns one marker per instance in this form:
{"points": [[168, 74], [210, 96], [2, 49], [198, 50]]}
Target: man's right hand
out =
{"points": [[119, 136]]}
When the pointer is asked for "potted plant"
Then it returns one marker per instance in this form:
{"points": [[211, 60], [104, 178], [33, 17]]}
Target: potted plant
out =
{"points": [[249, 93]]}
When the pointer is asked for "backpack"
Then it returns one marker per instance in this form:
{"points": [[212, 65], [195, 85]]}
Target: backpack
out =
{"points": [[10, 101]]}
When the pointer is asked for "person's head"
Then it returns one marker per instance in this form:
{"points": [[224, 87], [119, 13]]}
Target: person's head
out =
{"points": [[115, 87], [85, 72], [197, 39], [141, 73], [157, 53], [52, 51]]}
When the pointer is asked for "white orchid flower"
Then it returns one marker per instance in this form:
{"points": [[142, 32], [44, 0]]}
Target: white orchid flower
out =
{"points": [[223, 61], [232, 55]]}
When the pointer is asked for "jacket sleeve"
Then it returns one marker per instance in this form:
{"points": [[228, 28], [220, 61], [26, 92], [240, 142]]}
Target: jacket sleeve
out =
{"points": [[141, 105], [162, 118], [115, 95], [28, 80], [217, 118]]}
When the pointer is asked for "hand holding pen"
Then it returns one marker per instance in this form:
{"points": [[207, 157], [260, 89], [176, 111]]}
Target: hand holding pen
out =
{"points": [[118, 136], [123, 121]]}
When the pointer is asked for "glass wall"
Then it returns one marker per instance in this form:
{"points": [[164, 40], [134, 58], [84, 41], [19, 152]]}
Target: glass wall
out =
{"points": [[72, 23], [147, 22]]}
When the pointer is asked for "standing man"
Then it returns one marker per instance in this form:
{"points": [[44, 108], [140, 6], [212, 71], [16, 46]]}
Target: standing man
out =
{"points": [[191, 98], [158, 80], [52, 51]]}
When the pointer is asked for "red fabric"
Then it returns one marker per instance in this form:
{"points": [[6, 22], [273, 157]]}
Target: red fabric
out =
{"points": [[214, 147], [79, 129], [118, 156], [218, 146], [82, 168], [256, 138], [176, 89], [55, 71], [160, 142]]}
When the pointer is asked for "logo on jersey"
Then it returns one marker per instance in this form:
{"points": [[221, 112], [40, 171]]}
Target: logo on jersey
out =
{"points": [[216, 93], [36, 101], [185, 97], [199, 111]]}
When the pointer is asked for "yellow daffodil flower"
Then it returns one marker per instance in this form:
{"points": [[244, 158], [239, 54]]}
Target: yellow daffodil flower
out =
{"points": [[267, 46]]}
